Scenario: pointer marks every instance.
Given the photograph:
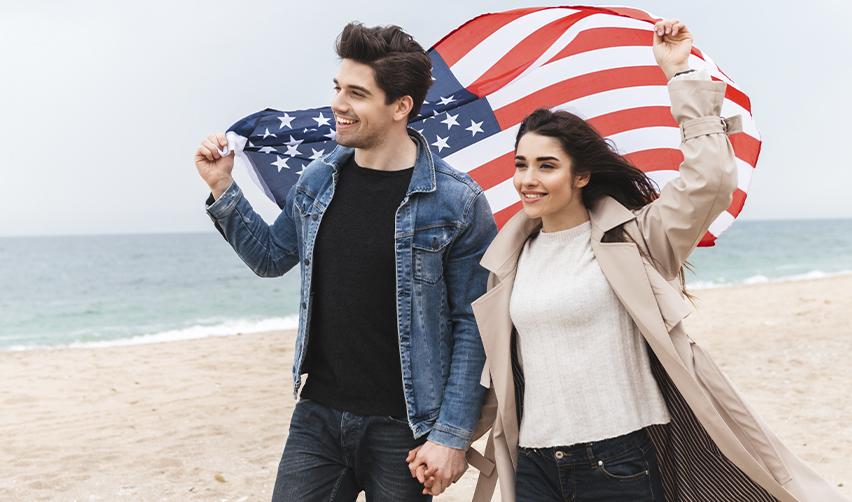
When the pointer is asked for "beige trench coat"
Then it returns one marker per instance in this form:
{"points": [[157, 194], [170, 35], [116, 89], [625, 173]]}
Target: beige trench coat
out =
{"points": [[715, 448]]}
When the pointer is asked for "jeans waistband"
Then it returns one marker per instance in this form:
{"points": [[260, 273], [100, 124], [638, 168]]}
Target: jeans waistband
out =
{"points": [[589, 453]]}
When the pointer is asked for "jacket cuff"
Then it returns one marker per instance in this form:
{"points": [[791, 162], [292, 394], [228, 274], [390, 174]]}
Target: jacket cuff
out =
{"points": [[452, 437], [692, 99], [223, 206]]}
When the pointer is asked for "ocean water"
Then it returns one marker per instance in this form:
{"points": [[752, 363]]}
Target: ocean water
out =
{"points": [[128, 289]]}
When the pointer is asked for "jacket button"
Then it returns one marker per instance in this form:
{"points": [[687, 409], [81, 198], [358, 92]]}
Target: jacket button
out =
{"points": [[314, 217], [304, 305], [307, 261]]}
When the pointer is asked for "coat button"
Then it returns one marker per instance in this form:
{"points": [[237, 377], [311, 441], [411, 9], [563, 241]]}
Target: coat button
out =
{"points": [[558, 455], [307, 261]]}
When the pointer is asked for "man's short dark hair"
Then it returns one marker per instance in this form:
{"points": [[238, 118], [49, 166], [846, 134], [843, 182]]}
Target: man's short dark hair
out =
{"points": [[401, 66]]}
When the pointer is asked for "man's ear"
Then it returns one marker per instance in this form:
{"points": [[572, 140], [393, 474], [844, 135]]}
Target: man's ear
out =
{"points": [[403, 107]]}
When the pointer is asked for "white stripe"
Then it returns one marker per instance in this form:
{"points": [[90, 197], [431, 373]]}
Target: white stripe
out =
{"points": [[482, 57], [645, 138], [721, 223], [502, 195], [744, 172], [484, 151], [608, 58], [591, 22]]}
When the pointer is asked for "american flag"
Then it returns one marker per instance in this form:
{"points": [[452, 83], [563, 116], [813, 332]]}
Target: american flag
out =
{"points": [[495, 69]]}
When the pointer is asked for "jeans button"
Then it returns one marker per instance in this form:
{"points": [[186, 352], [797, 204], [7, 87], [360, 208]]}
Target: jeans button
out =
{"points": [[558, 455]]}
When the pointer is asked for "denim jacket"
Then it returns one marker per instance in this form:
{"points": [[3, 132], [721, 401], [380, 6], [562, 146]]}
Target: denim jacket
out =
{"points": [[443, 227]]}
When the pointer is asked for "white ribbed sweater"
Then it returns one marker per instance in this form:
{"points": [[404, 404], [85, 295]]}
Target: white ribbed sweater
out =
{"points": [[586, 369]]}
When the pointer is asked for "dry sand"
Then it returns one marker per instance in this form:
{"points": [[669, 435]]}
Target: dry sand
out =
{"points": [[207, 419]]}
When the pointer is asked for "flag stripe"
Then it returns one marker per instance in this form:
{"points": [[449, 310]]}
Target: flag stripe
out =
{"points": [[476, 62], [464, 38], [577, 87], [518, 59]]}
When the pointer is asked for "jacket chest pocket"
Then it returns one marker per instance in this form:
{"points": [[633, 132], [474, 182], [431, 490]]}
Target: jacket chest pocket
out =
{"points": [[429, 247]]}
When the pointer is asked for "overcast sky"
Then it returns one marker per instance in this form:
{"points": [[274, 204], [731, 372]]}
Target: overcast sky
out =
{"points": [[104, 103]]}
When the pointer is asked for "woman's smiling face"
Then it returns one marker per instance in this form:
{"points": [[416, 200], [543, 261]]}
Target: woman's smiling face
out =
{"points": [[544, 178]]}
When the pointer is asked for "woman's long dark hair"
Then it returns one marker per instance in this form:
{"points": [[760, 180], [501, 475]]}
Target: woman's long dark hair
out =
{"points": [[593, 155]]}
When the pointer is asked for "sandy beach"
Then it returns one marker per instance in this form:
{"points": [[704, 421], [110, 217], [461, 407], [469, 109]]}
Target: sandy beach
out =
{"points": [[207, 419]]}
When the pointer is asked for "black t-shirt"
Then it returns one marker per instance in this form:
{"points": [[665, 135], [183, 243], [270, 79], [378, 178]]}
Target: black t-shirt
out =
{"points": [[353, 347]]}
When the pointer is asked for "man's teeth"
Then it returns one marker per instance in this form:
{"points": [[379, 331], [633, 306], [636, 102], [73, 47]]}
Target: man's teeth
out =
{"points": [[345, 121]]}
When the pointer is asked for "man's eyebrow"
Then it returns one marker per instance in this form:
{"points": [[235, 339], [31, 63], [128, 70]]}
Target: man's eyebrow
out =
{"points": [[356, 87]]}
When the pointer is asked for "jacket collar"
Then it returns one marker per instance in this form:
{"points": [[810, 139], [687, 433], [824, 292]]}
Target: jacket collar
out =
{"points": [[423, 177], [501, 258]]}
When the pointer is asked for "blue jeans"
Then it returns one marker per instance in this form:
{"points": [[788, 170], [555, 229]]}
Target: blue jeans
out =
{"points": [[623, 468], [333, 455]]}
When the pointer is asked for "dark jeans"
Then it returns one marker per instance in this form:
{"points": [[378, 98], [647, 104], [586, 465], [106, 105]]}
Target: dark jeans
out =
{"points": [[333, 455], [623, 468]]}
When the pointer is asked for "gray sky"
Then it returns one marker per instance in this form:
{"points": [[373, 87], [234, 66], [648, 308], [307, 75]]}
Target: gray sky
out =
{"points": [[104, 103]]}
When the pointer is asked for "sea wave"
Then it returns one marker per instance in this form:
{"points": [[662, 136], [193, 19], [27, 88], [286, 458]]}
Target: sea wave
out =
{"points": [[226, 328], [762, 279]]}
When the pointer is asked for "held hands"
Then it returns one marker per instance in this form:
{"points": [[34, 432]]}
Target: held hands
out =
{"points": [[214, 169], [672, 45], [436, 466]]}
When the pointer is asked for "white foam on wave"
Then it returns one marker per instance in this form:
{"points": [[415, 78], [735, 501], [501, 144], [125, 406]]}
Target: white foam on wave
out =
{"points": [[762, 279], [227, 328]]}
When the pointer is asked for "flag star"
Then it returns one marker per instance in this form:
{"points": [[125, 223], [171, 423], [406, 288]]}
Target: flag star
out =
{"points": [[268, 134], [250, 144], [294, 142], [267, 149], [419, 130], [317, 154], [281, 163], [425, 102], [292, 150], [322, 120], [441, 143], [332, 134], [286, 120], [450, 120], [446, 101], [474, 128]]}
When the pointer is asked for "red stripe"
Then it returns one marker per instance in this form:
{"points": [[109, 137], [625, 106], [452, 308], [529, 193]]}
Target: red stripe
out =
{"points": [[601, 38], [628, 12], [708, 241], [746, 148], [737, 202], [460, 41], [522, 55], [578, 87], [503, 215], [607, 37], [656, 159], [735, 95], [494, 172], [632, 118]]}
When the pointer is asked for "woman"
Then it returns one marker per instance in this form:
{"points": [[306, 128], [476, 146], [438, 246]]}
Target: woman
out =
{"points": [[596, 392]]}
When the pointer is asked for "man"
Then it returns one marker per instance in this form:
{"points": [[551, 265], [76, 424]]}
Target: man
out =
{"points": [[388, 240]]}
